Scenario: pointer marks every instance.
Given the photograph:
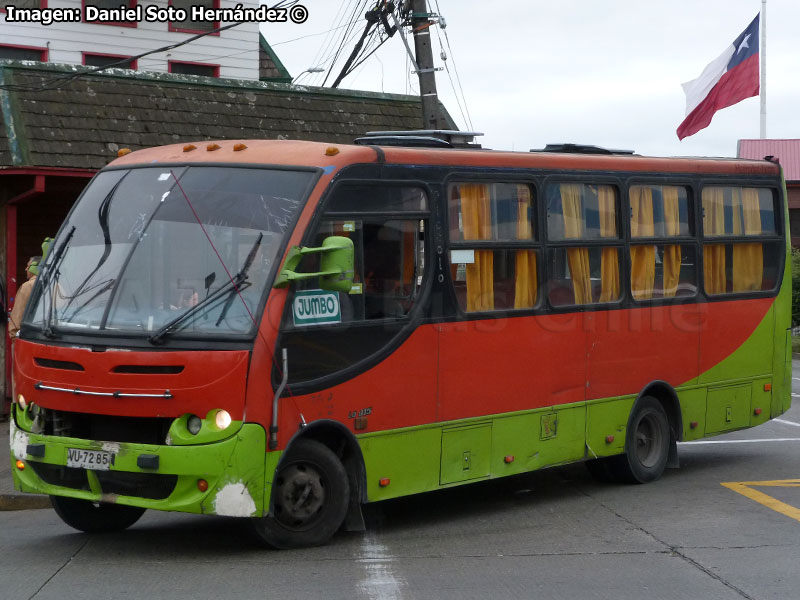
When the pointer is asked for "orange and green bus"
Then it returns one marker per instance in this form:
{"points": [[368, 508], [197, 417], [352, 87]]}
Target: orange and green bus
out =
{"points": [[284, 331]]}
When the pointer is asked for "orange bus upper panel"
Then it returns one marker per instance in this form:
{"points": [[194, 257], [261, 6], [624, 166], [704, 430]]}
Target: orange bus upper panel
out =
{"points": [[316, 154]]}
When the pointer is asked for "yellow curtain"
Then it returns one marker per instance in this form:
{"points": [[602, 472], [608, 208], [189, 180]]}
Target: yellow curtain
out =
{"points": [[476, 215], [672, 254], [748, 259], [525, 286], [714, 254], [609, 260], [577, 258], [643, 258]]}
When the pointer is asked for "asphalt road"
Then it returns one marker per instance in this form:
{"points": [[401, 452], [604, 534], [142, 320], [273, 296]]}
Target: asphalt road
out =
{"points": [[553, 534]]}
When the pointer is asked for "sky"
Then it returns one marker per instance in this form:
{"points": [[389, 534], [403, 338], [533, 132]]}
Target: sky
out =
{"points": [[603, 72]]}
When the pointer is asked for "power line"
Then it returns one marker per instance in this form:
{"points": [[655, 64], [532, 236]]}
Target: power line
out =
{"points": [[373, 34], [310, 35], [455, 67], [354, 19], [328, 41]]}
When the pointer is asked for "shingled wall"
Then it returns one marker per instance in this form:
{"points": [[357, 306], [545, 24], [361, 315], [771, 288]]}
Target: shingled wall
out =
{"points": [[81, 122]]}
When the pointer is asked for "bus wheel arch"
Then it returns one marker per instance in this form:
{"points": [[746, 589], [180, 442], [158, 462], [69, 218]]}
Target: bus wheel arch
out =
{"points": [[651, 436], [341, 442], [668, 397]]}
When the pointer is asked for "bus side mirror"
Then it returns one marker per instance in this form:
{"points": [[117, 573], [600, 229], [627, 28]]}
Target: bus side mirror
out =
{"points": [[336, 264]]}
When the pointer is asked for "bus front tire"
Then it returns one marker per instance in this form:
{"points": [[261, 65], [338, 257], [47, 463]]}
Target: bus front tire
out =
{"points": [[646, 444], [310, 498], [95, 517]]}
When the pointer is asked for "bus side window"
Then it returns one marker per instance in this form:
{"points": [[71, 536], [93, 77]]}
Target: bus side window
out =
{"points": [[579, 273], [494, 254], [389, 266], [742, 248]]}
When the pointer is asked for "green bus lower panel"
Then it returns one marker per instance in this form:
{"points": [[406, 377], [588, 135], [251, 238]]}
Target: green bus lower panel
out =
{"points": [[545, 437], [693, 413], [409, 459], [760, 401], [782, 401], [465, 453], [728, 408], [606, 423]]}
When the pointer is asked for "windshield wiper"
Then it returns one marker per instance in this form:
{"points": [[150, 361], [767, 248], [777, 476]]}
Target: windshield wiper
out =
{"points": [[237, 283], [52, 275], [241, 276]]}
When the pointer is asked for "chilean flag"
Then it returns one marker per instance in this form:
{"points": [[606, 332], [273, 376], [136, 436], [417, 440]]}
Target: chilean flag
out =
{"points": [[729, 79]]}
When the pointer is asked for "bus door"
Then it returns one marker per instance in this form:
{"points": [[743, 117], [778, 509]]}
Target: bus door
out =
{"points": [[366, 361]]}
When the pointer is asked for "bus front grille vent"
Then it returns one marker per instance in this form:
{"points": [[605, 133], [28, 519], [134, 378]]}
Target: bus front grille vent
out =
{"points": [[153, 486], [106, 428]]}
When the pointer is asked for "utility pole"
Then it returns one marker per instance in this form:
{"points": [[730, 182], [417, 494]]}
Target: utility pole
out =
{"points": [[421, 26]]}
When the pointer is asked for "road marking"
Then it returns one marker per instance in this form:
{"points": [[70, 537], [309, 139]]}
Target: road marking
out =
{"points": [[379, 582], [745, 488], [741, 441], [786, 422], [796, 378], [795, 395]]}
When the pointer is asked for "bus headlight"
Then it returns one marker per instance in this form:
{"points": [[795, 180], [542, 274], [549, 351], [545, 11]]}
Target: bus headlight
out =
{"points": [[222, 419]]}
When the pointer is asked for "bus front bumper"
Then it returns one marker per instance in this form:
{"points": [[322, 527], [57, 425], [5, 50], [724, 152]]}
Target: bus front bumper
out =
{"points": [[222, 478]]}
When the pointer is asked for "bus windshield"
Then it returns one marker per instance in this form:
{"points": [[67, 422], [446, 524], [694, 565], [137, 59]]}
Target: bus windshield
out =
{"points": [[154, 249]]}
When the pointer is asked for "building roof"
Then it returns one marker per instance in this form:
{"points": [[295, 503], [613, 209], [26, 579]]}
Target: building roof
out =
{"points": [[62, 116], [270, 67], [786, 151]]}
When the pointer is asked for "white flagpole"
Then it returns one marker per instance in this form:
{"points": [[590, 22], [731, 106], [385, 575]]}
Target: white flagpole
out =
{"points": [[763, 84]]}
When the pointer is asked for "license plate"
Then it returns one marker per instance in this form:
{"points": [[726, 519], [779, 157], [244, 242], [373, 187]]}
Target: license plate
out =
{"points": [[90, 459]]}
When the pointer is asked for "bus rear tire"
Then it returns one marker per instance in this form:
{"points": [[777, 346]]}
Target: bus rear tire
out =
{"points": [[310, 498], [646, 444], [95, 517]]}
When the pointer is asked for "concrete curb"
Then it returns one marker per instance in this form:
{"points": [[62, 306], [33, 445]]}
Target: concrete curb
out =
{"points": [[23, 502]]}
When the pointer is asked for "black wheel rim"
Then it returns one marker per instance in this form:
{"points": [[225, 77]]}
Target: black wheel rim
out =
{"points": [[649, 438], [301, 494]]}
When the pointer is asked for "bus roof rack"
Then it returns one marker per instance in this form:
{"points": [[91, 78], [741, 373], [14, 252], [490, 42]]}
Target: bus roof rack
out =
{"points": [[581, 149], [421, 138]]}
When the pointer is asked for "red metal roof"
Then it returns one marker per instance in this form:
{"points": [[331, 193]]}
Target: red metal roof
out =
{"points": [[787, 151]]}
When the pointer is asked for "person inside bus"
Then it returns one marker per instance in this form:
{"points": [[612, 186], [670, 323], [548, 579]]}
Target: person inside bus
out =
{"points": [[22, 297]]}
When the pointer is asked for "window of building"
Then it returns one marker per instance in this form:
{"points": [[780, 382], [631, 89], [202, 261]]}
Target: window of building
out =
{"points": [[743, 260], [660, 270], [189, 25], [579, 273], [23, 53], [91, 59], [494, 254], [192, 68], [24, 4], [110, 5]]}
